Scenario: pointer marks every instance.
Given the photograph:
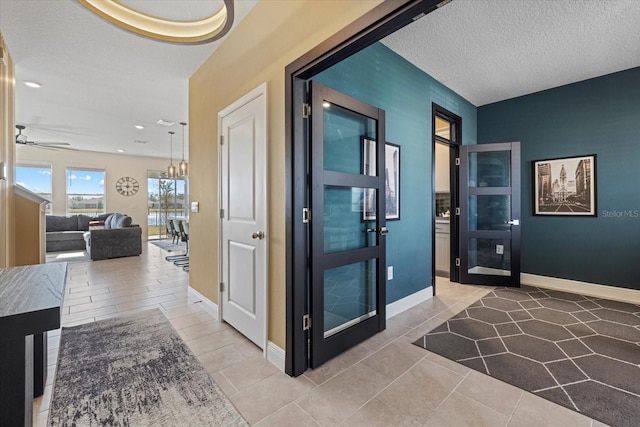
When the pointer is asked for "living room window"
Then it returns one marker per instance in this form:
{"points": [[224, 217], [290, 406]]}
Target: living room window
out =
{"points": [[85, 192], [36, 179]]}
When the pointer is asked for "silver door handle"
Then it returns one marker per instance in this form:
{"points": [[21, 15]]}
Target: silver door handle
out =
{"points": [[259, 235], [514, 222], [382, 231]]}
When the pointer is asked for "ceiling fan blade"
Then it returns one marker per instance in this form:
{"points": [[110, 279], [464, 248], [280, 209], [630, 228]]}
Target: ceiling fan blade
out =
{"points": [[48, 143], [49, 146]]}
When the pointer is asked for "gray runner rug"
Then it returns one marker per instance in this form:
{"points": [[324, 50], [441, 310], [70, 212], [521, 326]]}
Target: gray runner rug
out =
{"points": [[169, 246], [577, 351], [134, 371]]}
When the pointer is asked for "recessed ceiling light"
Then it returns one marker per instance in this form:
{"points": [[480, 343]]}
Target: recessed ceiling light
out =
{"points": [[165, 122], [138, 126], [32, 84], [121, 151]]}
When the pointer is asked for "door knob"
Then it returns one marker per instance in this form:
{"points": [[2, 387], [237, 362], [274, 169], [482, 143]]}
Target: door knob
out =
{"points": [[382, 231], [258, 235]]}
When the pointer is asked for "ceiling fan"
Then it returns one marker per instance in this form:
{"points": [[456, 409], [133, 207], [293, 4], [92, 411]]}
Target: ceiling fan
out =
{"points": [[23, 140]]}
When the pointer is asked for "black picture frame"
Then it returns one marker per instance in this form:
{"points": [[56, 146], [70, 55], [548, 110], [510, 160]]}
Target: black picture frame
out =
{"points": [[392, 179], [565, 186]]}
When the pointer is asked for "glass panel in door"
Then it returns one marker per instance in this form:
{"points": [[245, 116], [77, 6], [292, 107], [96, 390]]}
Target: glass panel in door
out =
{"points": [[490, 214], [348, 243]]}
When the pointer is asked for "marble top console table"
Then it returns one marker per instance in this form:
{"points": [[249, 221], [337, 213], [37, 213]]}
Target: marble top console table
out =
{"points": [[31, 300]]}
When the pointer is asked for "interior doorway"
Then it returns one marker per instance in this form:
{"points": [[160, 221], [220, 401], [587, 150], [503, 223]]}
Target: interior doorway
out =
{"points": [[411, 133], [447, 138]]}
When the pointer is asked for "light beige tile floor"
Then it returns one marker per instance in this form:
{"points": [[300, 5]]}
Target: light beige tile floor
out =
{"points": [[384, 381]]}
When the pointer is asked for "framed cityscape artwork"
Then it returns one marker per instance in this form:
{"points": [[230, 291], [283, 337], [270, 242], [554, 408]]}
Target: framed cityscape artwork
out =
{"points": [[392, 180], [565, 186]]}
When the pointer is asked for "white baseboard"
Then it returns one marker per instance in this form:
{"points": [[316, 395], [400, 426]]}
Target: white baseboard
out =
{"points": [[275, 355], [211, 306], [407, 302], [631, 296]]}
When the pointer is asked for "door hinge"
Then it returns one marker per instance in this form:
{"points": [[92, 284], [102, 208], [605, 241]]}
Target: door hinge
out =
{"points": [[458, 211], [457, 161], [221, 286], [221, 140], [457, 262], [306, 111], [306, 322], [306, 215], [221, 213]]}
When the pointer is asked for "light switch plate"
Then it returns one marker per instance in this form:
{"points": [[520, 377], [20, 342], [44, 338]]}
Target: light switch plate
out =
{"points": [[195, 206]]}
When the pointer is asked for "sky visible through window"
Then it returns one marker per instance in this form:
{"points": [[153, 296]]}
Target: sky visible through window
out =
{"points": [[85, 182], [34, 178]]}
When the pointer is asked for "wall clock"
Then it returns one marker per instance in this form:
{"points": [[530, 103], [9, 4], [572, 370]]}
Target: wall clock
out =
{"points": [[127, 186]]}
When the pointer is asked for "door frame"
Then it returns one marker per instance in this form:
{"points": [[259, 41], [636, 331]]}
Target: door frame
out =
{"points": [[454, 189], [376, 24], [260, 91]]}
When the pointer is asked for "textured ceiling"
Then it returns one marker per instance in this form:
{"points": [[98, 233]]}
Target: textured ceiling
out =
{"points": [[491, 50], [98, 80]]}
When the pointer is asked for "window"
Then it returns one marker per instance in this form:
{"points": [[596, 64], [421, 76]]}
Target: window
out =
{"points": [[36, 179], [167, 198], [85, 192]]}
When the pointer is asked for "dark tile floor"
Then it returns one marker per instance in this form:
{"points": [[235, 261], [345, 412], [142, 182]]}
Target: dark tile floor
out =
{"points": [[580, 352]]}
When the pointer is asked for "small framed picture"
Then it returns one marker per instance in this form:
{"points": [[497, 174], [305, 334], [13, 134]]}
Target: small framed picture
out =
{"points": [[565, 186], [392, 180]]}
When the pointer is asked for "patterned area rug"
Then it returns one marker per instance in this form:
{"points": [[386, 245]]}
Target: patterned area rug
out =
{"points": [[580, 352], [168, 246], [134, 371]]}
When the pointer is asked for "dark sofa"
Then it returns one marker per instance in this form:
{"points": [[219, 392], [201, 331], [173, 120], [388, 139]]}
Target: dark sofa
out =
{"points": [[66, 233], [118, 238]]}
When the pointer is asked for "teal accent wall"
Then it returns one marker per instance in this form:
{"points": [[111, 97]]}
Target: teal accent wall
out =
{"points": [[379, 77], [599, 116]]}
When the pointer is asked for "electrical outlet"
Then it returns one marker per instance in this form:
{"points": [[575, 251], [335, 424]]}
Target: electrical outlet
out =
{"points": [[390, 272], [499, 249]]}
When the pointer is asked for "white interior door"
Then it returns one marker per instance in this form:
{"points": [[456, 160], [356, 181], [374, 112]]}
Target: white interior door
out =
{"points": [[244, 234]]}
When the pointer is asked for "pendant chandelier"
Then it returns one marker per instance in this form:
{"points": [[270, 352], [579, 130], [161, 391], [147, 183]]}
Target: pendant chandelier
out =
{"points": [[171, 170], [184, 166]]}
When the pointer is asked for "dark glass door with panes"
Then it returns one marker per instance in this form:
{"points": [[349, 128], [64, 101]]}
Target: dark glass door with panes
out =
{"points": [[347, 296], [490, 214]]}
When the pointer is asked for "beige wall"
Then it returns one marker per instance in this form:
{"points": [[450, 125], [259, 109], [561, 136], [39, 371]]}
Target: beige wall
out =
{"points": [[115, 167], [7, 155], [273, 35]]}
